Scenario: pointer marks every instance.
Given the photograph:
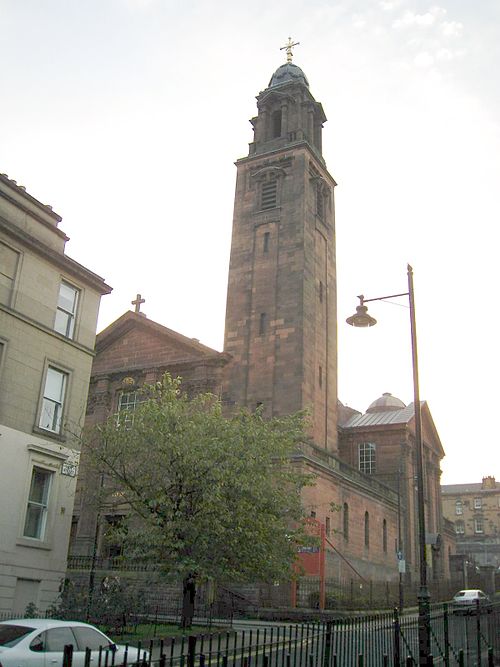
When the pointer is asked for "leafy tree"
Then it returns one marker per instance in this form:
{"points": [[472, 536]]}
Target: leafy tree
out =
{"points": [[207, 496]]}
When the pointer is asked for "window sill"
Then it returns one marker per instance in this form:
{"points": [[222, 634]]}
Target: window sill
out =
{"points": [[33, 543], [49, 434]]}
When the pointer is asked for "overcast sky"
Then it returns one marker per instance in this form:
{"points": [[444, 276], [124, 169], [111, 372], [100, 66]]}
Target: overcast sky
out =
{"points": [[127, 115]]}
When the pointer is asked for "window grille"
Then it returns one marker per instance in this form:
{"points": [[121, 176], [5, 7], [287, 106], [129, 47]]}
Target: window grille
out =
{"points": [[367, 458], [127, 404]]}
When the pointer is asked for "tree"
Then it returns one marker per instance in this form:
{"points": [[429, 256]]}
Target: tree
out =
{"points": [[207, 496]]}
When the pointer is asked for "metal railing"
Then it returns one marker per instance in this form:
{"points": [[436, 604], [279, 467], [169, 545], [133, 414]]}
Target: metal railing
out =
{"points": [[377, 640]]}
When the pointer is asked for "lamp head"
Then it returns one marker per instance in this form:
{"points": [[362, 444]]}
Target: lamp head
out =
{"points": [[361, 317]]}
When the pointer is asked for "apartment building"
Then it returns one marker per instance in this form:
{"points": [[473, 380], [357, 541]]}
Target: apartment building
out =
{"points": [[48, 316]]}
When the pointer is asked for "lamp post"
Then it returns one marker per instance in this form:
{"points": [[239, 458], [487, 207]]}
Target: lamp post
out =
{"points": [[362, 319]]}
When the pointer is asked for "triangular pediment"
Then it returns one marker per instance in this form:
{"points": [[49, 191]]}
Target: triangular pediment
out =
{"points": [[134, 341]]}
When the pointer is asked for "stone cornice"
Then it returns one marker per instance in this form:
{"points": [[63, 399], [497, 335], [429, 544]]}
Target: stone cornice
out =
{"points": [[62, 261], [290, 148]]}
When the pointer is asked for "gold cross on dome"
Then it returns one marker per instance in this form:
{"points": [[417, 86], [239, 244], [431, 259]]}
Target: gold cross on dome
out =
{"points": [[288, 47], [137, 303]]}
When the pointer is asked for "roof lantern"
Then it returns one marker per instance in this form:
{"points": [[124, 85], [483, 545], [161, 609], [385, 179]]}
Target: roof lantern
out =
{"points": [[288, 72], [386, 403]]}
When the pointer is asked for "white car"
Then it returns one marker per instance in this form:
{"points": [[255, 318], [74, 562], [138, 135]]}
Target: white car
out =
{"points": [[37, 642], [469, 600]]}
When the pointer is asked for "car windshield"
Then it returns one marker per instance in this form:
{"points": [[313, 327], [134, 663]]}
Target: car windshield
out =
{"points": [[10, 635]]}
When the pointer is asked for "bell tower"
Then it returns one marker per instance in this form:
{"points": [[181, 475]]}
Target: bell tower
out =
{"points": [[281, 319]]}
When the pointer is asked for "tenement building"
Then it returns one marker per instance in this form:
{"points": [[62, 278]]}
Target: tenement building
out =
{"points": [[48, 315], [280, 349], [474, 510]]}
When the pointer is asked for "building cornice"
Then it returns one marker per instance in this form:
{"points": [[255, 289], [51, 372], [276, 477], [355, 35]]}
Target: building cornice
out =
{"points": [[60, 260]]}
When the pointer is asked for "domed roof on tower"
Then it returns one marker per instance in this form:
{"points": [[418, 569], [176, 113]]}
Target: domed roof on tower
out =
{"points": [[287, 73], [386, 403]]}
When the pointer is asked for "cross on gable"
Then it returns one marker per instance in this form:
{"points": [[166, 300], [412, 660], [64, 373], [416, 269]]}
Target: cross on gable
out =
{"points": [[137, 303], [288, 47]]}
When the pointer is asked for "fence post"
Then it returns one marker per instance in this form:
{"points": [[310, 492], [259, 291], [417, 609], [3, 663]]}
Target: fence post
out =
{"points": [[191, 650], [446, 636], [328, 644], [397, 639], [68, 655], [461, 657], [478, 632]]}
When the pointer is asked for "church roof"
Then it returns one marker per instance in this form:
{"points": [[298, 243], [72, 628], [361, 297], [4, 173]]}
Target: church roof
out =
{"points": [[129, 320], [288, 73], [394, 416]]}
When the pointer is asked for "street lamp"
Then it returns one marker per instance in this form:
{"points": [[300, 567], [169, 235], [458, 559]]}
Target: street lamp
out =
{"points": [[362, 319]]}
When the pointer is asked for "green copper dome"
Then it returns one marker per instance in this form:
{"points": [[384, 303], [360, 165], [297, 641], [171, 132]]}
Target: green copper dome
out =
{"points": [[288, 73]]}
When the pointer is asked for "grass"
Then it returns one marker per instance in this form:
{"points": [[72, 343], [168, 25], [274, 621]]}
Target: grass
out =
{"points": [[144, 632]]}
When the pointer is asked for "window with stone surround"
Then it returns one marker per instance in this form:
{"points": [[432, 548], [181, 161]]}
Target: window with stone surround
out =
{"points": [[262, 324], [459, 527], [320, 201], [367, 458], [478, 524], [459, 508], [38, 502], [478, 503], [66, 309], [9, 261], [53, 400], [276, 124], [127, 403], [265, 247], [269, 193]]}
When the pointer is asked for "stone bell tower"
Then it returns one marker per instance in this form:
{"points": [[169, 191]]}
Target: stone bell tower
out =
{"points": [[281, 319]]}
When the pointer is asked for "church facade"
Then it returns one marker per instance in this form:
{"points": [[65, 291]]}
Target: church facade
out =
{"points": [[280, 350]]}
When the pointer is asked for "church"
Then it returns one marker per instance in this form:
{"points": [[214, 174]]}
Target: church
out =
{"points": [[280, 353]]}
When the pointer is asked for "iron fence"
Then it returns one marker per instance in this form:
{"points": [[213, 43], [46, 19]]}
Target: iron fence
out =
{"points": [[378, 640]]}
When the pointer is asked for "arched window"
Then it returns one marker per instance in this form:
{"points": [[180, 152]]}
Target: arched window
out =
{"points": [[367, 530], [346, 522], [384, 536], [276, 123]]}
